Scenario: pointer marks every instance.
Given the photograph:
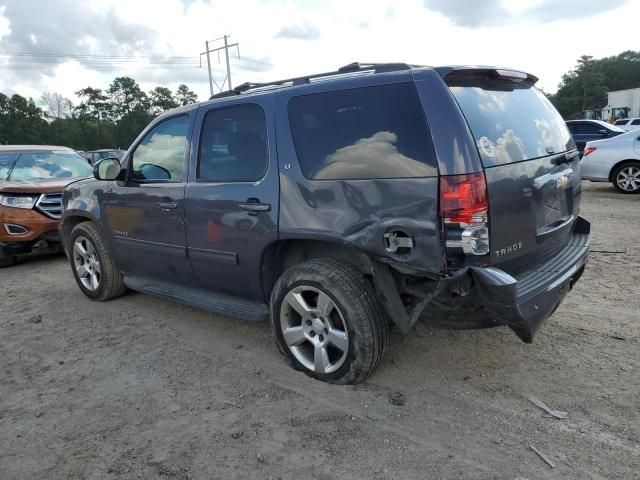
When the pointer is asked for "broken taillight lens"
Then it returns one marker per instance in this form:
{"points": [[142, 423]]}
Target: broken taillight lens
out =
{"points": [[464, 209]]}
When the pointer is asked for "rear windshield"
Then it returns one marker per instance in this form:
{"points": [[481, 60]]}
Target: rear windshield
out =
{"points": [[510, 121], [42, 165]]}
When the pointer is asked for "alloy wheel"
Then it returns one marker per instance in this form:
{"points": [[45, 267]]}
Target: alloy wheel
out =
{"points": [[628, 179], [314, 329], [86, 263]]}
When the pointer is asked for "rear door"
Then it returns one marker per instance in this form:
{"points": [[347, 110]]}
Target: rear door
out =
{"points": [[232, 196], [531, 166]]}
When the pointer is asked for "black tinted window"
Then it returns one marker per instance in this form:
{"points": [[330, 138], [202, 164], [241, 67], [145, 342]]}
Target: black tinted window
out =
{"points": [[636, 122], [588, 128], [233, 145], [160, 156], [511, 121], [371, 132], [621, 122]]}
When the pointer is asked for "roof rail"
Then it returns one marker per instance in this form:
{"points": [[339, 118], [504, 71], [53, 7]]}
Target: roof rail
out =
{"points": [[354, 67]]}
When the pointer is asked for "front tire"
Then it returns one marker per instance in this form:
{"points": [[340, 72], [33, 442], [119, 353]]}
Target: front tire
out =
{"points": [[93, 267], [626, 177], [7, 260], [328, 322]]}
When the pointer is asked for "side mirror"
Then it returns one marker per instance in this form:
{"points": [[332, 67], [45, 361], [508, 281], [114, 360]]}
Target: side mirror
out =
{"points": [[107, 169]]}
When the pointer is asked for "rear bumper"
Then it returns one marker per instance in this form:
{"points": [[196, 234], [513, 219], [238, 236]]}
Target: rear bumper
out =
{"points": [[525, 301]]}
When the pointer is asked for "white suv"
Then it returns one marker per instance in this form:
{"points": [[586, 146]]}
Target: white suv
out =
{"points": [[628, 124]]}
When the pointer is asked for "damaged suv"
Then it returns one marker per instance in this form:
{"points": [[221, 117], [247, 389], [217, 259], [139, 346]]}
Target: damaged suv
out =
{"points": [[341, 204]]}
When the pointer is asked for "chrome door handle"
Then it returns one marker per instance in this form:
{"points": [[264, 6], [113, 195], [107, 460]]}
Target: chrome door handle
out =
{"points": [[166, 206], [255, 207]]}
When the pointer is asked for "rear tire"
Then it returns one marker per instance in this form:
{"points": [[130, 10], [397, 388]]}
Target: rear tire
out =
{"points": [[334, 326], [93, 267], [626, 177]]}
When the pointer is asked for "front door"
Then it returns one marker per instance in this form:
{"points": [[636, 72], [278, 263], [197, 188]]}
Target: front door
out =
{"points": [[232, 197], [146, 213]]}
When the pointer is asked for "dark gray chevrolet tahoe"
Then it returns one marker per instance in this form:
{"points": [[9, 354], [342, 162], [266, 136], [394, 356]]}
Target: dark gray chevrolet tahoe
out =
{"points": [[343, 204]]}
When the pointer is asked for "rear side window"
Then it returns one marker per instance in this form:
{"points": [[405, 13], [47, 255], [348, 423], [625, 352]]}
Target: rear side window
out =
{"points": [[510, 121], [233, 145], [636, 122], [621, 122], [362, 133], [587, 129]]}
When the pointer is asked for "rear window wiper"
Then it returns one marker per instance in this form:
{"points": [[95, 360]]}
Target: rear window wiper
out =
{"points": [[565, 158]]}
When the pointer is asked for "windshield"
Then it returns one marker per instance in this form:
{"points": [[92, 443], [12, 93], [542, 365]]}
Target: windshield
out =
{"points": [[111, 154], [43, 165], [510, 121]]}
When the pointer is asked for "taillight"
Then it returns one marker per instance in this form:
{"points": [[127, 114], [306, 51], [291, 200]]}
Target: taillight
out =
{"points": [[464, 209], [588, 150]]}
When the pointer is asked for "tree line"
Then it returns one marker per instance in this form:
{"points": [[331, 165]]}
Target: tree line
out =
{"points": [[110, 118], [586, 86]]}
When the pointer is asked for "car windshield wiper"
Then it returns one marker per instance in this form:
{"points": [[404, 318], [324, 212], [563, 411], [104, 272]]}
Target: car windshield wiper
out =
{"points": [[12, 167]]}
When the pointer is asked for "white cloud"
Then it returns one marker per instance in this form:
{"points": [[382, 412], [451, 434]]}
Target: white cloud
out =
{"points": [[342, 32]]}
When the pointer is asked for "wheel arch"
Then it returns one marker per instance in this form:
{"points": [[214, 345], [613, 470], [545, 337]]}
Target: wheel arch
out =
{"points": [[281, 255], [621, 162]]}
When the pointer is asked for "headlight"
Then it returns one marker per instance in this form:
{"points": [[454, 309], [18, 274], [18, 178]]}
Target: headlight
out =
{"points": [[18, 201]]}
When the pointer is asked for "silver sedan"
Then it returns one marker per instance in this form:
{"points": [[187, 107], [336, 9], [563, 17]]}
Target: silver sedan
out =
{"points": [[615, 160]]}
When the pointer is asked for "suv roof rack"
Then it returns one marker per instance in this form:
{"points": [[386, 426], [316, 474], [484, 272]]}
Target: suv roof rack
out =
{"points": [[355, 67]]}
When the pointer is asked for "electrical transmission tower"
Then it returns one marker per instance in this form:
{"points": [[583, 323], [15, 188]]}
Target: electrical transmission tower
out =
{"points": [[226, 48]]}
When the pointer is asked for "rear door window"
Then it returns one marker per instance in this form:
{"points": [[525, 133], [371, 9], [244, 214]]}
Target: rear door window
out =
{"points": [[511, 121], [636, 122], [362, 133], [621, 122], [587, 129], [233, 145]]}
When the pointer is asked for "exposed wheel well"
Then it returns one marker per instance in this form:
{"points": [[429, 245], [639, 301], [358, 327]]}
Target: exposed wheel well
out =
{"points": [[613, 169], [70, 223], [284, 254]]}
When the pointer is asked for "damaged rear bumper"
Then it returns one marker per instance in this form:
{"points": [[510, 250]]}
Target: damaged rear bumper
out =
{"points": [[525, 301]]}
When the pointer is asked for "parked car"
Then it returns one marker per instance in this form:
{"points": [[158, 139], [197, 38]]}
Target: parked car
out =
{"points": [[94, 155], [628, 124], [584, 131], [616, 160], [342, 203], [31, 181]]}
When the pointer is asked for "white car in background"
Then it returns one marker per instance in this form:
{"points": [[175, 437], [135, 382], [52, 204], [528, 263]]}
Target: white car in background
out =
{"points": [[628, 124], [615, 160]]}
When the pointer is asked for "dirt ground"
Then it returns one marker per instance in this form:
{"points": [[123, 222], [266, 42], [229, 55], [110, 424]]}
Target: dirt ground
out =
{"points": [[145, 388]]}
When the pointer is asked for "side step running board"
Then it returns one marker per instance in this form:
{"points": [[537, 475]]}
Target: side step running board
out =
{"points": [[195, 297]]}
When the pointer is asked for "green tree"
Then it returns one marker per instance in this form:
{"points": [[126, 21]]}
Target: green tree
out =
{"points": [[161, 99], [22, 121], [586, 86], [93, 103], [126, 96], [184, 96]]}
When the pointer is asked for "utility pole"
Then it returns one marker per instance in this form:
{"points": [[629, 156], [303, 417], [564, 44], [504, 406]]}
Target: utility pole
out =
{"points": [[226, 52], [206, 44], [226, 48]]}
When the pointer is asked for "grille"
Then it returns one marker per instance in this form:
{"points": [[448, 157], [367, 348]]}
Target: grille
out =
{"points": [[50, 204]]}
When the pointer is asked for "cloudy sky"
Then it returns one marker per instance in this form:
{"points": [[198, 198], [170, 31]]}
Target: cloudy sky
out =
{"points": [[64, 45]]}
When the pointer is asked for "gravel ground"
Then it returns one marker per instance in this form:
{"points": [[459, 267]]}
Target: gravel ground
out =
{"points": [[145, 388]]}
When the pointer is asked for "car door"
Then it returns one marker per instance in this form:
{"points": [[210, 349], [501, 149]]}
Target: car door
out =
{"points": [[145, 213], [232, 196]]}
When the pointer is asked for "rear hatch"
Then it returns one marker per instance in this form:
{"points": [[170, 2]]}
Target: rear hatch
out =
{"points": [[530, 163]]}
